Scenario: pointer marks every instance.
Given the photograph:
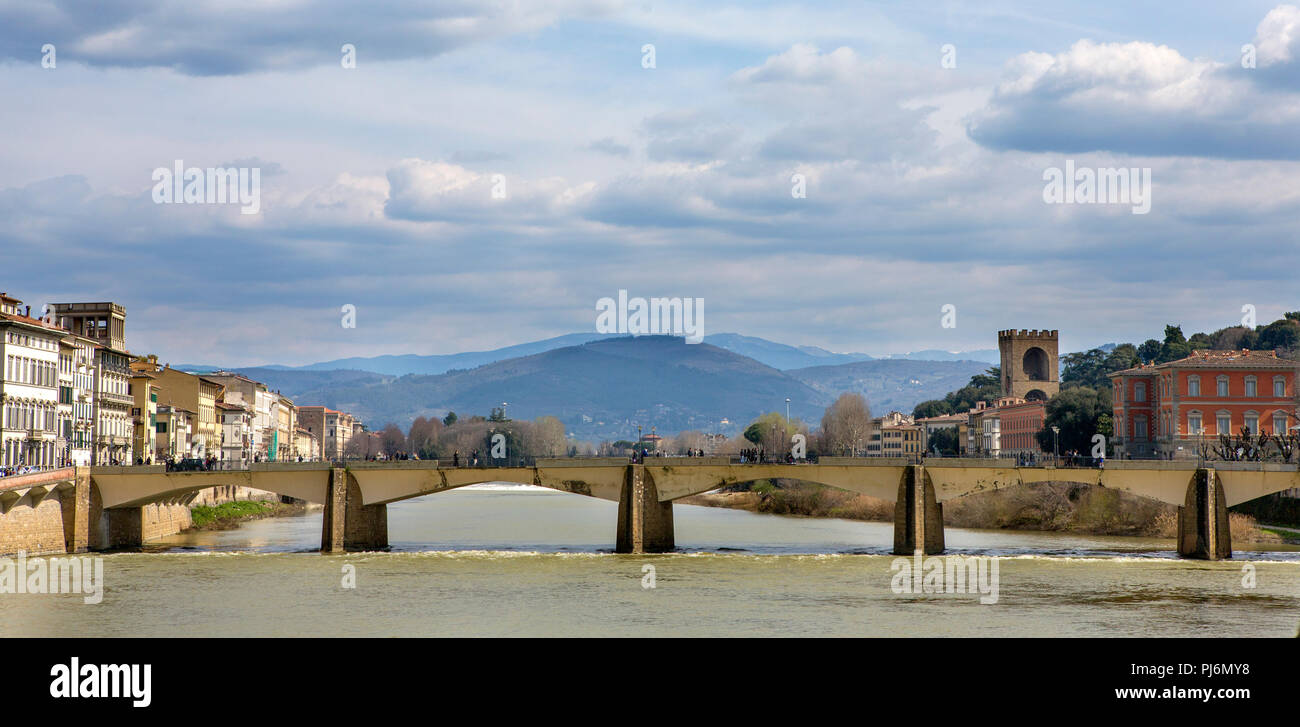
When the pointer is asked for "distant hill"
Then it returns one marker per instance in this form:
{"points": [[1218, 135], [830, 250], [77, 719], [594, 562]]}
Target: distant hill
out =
{"points": [[780, 355], [437, 364], [987, 355], [777, 355], [891, 384], [603, 389]]}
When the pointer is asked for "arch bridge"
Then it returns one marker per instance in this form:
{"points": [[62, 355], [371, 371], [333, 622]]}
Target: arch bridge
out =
{"points": [[101, 504]]}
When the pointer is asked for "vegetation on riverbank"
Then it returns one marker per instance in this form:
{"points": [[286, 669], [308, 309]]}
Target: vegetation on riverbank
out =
{"points": [[229, 515], [1051, 507]]}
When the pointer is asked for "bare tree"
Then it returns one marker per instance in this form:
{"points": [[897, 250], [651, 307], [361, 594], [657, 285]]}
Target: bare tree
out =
{"points": [[846, 425]]}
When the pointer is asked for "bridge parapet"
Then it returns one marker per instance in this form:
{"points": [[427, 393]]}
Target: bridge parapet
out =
{"points": [[401, 464], [864, 461], [1152, 464], [968, 462], [584, 462]]}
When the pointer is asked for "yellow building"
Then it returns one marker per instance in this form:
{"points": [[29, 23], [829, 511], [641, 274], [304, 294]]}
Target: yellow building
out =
{"points": [[191, 392], [144, 415]]}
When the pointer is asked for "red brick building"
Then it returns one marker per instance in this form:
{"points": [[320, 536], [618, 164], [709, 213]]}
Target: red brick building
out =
{"points": [[1020, 422], [1165, 410]]}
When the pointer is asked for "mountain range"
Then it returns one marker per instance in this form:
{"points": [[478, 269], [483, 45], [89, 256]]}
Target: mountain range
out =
{"points": [[603, 388], [777, 355]]}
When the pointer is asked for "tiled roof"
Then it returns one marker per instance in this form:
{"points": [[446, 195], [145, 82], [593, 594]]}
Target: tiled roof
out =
{"points": [[1242, 359]]}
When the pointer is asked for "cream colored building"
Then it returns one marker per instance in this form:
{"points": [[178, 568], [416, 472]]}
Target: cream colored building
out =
{"points": [[113, 401], [29, 387]]}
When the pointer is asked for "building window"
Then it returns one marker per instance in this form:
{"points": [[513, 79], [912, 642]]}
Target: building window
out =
{"points": [[1279, 423], [1251, 389], [1252, 422], [1223, 423], [1140, 428], [1222, 382], [1279, 386], [1194, 423], [1139, 391], [1193, 386]]}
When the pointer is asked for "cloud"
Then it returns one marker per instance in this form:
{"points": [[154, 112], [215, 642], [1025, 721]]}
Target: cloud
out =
{"points": [[422, 190], [609, 146], [803, 62], [1136, 98], [1277, 43], [212, 37]]}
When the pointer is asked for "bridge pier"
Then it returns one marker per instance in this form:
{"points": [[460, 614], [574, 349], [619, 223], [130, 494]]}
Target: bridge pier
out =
{"points": [[918, 517], [1203, 530], [76, 506], [348, 525], [645, 525]]}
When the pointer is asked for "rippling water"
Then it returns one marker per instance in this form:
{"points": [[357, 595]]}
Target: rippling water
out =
{"points": [[514, 561]]}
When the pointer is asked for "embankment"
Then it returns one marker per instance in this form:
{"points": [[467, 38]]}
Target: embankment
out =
{"points": [[1064, 507]]}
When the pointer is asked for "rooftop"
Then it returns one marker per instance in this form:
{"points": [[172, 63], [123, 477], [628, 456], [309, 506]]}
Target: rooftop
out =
{"points": [[1241, 359]]}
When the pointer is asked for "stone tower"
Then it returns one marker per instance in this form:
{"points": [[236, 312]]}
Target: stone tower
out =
{"points": [[1029, 364]]}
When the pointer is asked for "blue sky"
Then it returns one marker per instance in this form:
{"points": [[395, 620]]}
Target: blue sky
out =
{"points": [[924, 184]]}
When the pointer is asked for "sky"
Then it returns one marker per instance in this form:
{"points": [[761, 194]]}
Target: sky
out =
{"points": [[487, 170]]}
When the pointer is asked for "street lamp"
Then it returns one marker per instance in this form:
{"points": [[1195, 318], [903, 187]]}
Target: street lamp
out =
{"points": [[503, 410], [1056, 446], [787, 411]]}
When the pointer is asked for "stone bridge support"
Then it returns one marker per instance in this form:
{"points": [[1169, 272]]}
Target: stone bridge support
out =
{"points": [[348, 525], [1203, 530], [75, 501], [645, 525], [918, 517]]}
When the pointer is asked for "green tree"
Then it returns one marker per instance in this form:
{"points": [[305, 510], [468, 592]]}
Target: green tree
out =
{"points": [[770, 431], [1079, 413], [1282, 334], [1084, 369], [1149, 351], [931, 408], [1175, 345], [1124, 356], [943, 441], [450, 419]]}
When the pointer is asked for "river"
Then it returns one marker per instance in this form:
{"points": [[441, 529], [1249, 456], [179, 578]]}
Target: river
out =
{"points": [[514, 561]]}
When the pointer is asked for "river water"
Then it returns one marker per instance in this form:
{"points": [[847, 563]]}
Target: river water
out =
{"points": [[514, 561]]}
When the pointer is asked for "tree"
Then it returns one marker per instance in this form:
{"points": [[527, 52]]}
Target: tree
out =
{"points": [[1149, 351], [391, 440], [1234, 338], [422, 438], [1124, 356], [982, 387], [931, 408], [1175, 345], [846, 424], [1079, 413], [771, 431], [1084, 369], [1282, 334], [944, 441], [450, 419]]}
